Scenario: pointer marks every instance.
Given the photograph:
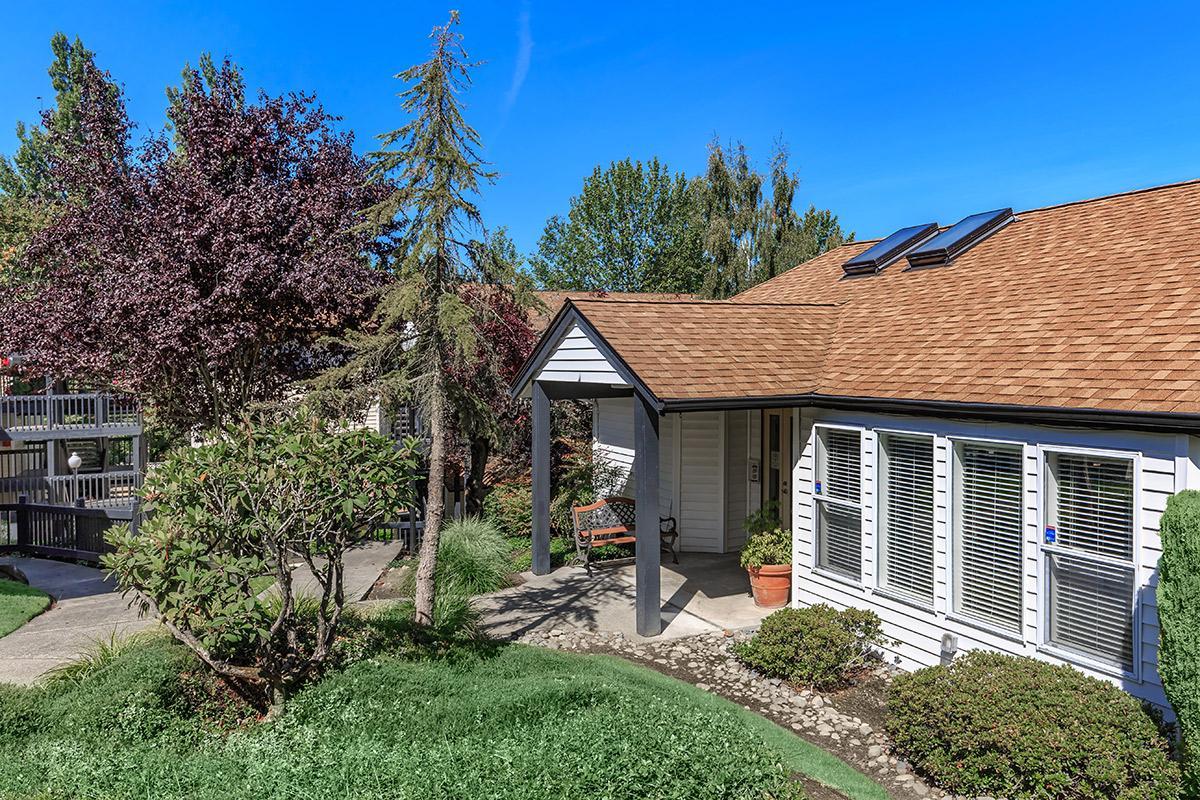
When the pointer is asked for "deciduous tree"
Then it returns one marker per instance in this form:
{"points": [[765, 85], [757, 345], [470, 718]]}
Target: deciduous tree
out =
{"points": [[199, 270], [634, 227]]}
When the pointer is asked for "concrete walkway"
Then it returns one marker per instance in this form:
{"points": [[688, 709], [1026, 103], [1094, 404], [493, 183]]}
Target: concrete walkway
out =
{"points": [[703, 593], [89, 609]]}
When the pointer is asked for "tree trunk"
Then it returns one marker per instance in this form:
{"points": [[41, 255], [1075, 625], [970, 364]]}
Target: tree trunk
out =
{"points": [[434, 509], [480, 450]]}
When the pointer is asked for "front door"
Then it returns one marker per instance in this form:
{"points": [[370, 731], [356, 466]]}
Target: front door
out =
{"points": [[777, 462]]}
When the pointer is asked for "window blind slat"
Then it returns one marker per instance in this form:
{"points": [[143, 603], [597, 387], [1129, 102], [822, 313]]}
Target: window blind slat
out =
{"points": [[1090, 602], [839, 527], [840, 464], [988, 534], [1090, 608], [840, 540], [906, 524]]}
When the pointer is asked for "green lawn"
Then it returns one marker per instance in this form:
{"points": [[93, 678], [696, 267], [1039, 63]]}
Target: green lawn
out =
{"points": [[504, 723], [19, 604]]}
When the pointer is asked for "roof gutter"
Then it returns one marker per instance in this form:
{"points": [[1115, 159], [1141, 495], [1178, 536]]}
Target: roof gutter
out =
{"points": [[1156, 421]]}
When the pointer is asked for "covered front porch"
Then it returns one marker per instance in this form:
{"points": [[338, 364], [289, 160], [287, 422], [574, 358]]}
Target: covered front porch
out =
{"points": [[678, 417], [703, 593]]}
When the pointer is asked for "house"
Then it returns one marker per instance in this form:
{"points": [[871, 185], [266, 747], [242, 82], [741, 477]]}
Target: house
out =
{"points": [[64, 449], [971, 430]]}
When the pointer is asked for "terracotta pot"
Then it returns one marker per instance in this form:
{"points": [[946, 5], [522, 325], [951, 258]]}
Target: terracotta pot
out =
{"points": [[772, 583]]}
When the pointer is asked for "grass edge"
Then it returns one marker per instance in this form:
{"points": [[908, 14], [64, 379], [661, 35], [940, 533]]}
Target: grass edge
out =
{"points": [[799, 754]]}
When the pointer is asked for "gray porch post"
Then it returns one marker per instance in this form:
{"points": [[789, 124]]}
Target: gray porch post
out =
{"points": [[541, 480], [645, 470]]}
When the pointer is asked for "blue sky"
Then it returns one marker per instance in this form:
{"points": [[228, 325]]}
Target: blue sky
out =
{"points": [[895, 114]]}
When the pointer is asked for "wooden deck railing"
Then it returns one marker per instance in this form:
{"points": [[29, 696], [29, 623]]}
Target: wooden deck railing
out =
{"points": [[68, 414], [56, 531], [95, 490]]}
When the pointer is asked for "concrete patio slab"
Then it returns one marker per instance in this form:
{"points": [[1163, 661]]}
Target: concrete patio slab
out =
{"points": [[702, 593]]}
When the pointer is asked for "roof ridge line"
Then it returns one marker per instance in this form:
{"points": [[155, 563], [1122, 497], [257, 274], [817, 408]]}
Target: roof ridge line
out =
{"points": [[726, 302], [1126, 193]]}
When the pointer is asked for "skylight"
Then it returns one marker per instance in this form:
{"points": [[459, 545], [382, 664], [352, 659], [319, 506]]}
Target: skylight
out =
{"points": [[882, 253], [952, 242]]}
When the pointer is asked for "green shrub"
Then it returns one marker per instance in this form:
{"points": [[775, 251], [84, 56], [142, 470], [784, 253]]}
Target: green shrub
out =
{"points": [[817, 646], [1179, 625], [255, 500], [582, 479], [772, 547], [1010, 726], [509, 506], [765, 519]]}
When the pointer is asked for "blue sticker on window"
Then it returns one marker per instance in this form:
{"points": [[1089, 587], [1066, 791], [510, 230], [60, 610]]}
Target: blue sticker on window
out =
{"points": [[817, 487], [1051, 535]]}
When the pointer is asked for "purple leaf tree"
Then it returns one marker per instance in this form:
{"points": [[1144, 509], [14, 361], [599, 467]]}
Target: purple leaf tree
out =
{"points": [[200, 270]]}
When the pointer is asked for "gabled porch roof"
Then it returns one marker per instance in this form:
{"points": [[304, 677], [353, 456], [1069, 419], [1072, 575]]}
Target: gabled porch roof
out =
{"points": [[679, 353]]}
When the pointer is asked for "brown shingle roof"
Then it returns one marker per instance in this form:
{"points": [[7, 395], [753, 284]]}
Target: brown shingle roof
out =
{"points": [[553, 299], [1091, 305], [708, 349], [1094, 304]]}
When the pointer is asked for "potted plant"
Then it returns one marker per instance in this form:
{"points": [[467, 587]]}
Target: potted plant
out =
{"points": [[767, 557]]}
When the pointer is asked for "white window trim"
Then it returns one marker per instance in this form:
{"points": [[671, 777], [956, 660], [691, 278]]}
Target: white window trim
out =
{"points": [[952, 511], [877, 586], [1044, 645], [815, 500]]}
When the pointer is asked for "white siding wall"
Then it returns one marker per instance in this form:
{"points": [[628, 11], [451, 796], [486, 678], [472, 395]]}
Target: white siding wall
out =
{"points": [[737, 477], [1162, 466], [691, 447], [577, 359], [612, 431], [375, 419], [612, 441], [702, 482]]}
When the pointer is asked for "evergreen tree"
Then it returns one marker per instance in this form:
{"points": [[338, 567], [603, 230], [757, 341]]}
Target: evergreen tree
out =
{"points": [[427, 324], [27, 174], [633, 228], [28, 194]]}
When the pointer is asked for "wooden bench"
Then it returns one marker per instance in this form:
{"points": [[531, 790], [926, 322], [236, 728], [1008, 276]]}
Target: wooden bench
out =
{"points": [[613, 521]]}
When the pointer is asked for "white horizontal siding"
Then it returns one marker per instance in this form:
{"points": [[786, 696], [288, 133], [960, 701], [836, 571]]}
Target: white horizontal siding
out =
{"points": [[690, 447], [1163, 465], [577, 359], [737, 479], [701, 487], [612, 430]]}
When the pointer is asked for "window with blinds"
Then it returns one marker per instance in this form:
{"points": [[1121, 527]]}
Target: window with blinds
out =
{"points": [[988, 534], [1088, 544], [837, 488], [906, 515]]}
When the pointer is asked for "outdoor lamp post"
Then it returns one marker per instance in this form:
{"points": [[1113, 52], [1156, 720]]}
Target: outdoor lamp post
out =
{"points": [[75, 462]]}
